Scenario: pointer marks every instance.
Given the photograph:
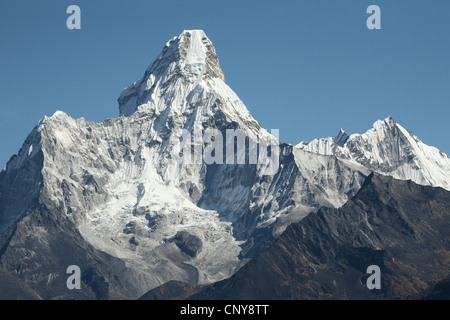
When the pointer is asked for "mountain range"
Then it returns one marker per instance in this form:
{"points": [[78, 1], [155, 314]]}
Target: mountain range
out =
{"points": [[114, 199]]}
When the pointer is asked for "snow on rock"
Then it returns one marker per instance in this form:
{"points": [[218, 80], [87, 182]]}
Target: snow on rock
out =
{"points": [[388, 148], [119, 185]]}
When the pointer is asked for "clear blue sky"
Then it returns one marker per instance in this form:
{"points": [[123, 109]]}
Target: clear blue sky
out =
{"points": [[305, 67]]}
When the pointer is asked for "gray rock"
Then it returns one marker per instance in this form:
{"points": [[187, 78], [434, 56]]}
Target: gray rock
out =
{"points": [[188, 243]]}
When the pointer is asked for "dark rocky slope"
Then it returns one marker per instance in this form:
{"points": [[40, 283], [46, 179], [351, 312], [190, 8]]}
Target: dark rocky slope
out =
{"points": [[402, 227], [12, 288]]}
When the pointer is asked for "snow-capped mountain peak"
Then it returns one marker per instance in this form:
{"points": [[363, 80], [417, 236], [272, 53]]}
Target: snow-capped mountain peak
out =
{"points": [[389, 149], [191, 53], [187, 67], [117, 189]]}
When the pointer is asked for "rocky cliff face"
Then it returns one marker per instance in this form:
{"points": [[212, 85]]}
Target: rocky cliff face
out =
{"points": [[397, 225]]}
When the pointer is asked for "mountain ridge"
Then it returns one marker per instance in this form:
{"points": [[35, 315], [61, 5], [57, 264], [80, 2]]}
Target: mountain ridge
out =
{"points": [[390, 149], [116, 191], [325, 255]]}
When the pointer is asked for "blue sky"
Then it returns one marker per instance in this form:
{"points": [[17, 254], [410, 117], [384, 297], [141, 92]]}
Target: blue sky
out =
{"points": [[305, 67]]}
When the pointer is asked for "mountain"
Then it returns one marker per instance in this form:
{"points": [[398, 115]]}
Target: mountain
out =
{"points": [[13, 288], [130, 212], [172, 290], [439, 291], [389, 149], [185, 185], [400, 226]]}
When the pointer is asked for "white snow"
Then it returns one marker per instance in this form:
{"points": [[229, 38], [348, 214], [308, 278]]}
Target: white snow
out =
{"points": [[120, 172], [197, 49], [389, 149]]}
